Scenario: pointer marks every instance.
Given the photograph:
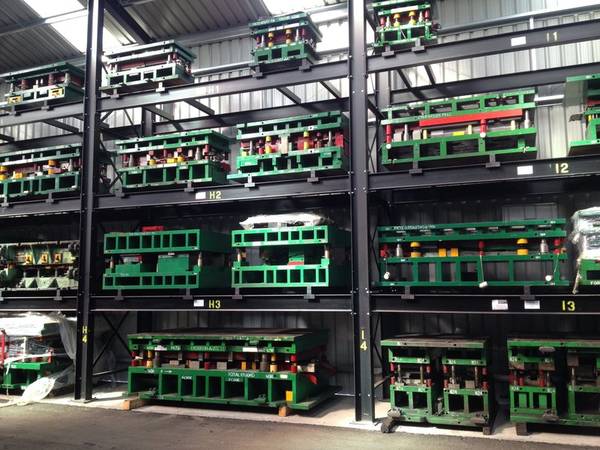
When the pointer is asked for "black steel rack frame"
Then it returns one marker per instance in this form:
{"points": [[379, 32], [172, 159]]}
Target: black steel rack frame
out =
{"points": [[363, 185]]}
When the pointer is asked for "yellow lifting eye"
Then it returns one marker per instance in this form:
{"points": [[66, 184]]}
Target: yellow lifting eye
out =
{"points": [[415, 245], [522, 241]]}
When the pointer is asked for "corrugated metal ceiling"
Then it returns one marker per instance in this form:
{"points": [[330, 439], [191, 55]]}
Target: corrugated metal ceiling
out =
{"points": [[163, 19], [32, 46]]}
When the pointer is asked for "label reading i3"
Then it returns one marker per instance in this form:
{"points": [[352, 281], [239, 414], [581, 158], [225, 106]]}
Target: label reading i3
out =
{"points": [[568, 305]]}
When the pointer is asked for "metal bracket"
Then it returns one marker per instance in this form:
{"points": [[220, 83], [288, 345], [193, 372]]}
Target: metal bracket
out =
{"points": [[416, 170], [237, 295], [249, 183], [313, 178], [418, 47], [58, 297], [527, 293], [189, 187], [188, 294], [50, 198], [407, 294], [119, 297], [492, 164], [309, 294]]}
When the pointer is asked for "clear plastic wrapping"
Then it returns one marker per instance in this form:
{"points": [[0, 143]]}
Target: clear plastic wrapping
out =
{"points": [[586, 233], [281, 220]]}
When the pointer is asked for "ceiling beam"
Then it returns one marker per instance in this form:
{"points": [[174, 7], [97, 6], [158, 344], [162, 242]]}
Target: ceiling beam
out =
{"points": [[289, 94], [331, 88], [127, 22], [6, 137]]}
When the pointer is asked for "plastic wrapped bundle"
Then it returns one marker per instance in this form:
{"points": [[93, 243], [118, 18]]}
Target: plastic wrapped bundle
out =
{"points": [[586, 240]]}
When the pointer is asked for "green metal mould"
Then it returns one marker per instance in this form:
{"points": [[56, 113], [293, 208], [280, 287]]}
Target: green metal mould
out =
{"points": [[40, 185], [585, 89], [18, 375], [458, 146], [171, 272], [392, 34], [463, 271], [460, 106], [203, 172], [163, 63], [499, 145], [290, 125], [248, 340], [165, 241], [588, 272], [39, 265], [172, 141], [473, 231], [40, 155], [295, 235], [229, 387], [176, 267], [278, 50], [271, 276], [68, 86], [414, 403], [533, 404]]}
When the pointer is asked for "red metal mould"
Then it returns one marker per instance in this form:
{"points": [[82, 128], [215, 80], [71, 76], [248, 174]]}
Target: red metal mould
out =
{"points": [[541, 379], [484, 385], [384, 251], [445, 384], [294, 368], [521, 381], [392, 367], [484, 371], [437, 121], [445, 368], [593, 102], [2, 347], [206, 365], [428, 382], [293, 358], [312, 378], [150, 228], [339, 140], [481, 246]]}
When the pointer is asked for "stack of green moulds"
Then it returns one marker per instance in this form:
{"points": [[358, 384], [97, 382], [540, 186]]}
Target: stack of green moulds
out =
{"points": [[585, 89], [296, 257], [460, 130], [189, 158], [554, 381], [20, 171], [439, 380], [282, 41], [173, 259], [51, 84], [284, 368], [308, 146], [459, 254], [401, 24]]}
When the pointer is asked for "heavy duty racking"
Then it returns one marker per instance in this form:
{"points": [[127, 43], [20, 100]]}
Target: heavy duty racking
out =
{"points": [[361, 187]]}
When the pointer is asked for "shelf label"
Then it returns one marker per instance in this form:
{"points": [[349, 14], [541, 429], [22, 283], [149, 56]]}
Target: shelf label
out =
{"points": [[209, 195], [531, 304], [199, 303], [250, 349], [519, 40], [524, 170], [568, 306], [499, 305]]}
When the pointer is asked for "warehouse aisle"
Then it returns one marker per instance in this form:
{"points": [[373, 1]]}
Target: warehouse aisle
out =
{"points": [[54, 427]]}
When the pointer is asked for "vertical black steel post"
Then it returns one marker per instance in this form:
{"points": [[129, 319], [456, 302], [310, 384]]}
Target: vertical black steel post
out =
{"points": [[147, 122], [363, 361], [89, 186]]}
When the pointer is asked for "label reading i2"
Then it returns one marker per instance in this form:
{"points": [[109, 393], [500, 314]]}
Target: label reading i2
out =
{"points": [[561, 168]]}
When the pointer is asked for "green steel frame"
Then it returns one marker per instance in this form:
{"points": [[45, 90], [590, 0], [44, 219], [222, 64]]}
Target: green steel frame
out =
{"points": [[473, 254], [554, 381], [19, 375], [191, 158], [307, 145], [585, 89], [39, 171], [439, 380], [402, 24], [51, 84], [295, 256], [478, 128], [39, 265], [249, 367], [155, 65], [175, 259], [284, 41]]}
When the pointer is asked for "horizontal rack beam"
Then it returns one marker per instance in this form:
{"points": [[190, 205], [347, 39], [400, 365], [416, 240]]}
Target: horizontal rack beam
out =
{"points": [[38, 303], [40, 207], [227, 193], [490, 45], [534, 170], [215, 303], [487, 304]]}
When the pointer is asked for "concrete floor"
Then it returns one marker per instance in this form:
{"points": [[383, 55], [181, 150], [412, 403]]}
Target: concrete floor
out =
{"points": [[58, 427]]}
